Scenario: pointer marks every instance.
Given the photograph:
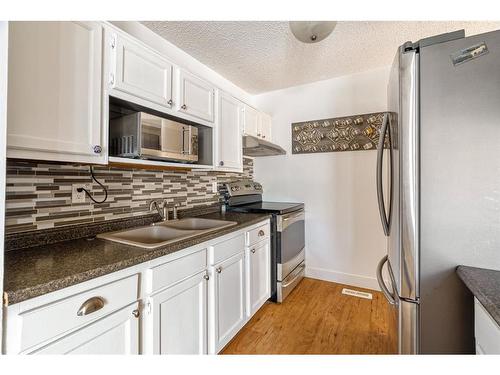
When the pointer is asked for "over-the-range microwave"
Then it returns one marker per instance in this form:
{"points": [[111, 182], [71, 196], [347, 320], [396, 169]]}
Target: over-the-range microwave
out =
{"points": [[146, 136]]}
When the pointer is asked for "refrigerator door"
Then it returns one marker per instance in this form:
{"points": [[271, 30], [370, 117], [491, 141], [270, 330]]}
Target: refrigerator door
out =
{"points": [[408, 176], [459, 183], [393, 96]]}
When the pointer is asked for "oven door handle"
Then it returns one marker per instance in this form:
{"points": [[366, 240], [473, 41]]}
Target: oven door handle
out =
{"points": [[298, 274], [285, 221]]}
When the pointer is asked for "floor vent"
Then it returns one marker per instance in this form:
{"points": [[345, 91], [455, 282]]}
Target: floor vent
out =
{"points": [[357, 293]]}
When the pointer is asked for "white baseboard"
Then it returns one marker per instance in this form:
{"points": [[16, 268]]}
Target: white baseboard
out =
{"points": [[342, 278]]}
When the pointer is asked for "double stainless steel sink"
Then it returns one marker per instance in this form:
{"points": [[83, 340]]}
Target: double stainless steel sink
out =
{"points": [[166, 232]]}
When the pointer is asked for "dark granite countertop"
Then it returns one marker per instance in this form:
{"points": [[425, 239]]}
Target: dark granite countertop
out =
{"points": [[485, 285], [38, 270]]}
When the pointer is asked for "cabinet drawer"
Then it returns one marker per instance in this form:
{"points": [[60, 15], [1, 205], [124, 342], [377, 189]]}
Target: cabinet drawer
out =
{"points": [[226, 249], [51, 320], [176, 270], [487, 332], [257, 234]]}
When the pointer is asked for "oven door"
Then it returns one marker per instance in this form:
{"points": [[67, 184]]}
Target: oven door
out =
{"points": [[291, 243]]}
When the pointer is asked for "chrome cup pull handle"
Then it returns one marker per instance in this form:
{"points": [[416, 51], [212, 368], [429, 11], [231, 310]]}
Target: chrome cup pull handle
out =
{"points": [[91, 305]]}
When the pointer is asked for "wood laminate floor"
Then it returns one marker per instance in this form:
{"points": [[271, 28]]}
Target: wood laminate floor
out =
{"points": [[317, 318]]}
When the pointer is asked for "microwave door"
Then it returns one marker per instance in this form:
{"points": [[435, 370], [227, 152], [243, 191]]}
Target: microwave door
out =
{"points": [[171, 137]]}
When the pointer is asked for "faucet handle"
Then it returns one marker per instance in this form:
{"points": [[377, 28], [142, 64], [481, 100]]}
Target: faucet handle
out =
{"points": [[176, 205]]}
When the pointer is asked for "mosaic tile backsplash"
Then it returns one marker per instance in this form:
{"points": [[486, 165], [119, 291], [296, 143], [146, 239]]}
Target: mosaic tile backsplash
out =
{"points": [[39, 193], [351, 133]]}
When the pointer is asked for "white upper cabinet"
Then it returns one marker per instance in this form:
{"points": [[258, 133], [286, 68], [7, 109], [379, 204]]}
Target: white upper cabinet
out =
{"points": [[230, 152], [265, 127], [257, 124], [138, 70], [195, 96], [251, 121], [55, 92]]}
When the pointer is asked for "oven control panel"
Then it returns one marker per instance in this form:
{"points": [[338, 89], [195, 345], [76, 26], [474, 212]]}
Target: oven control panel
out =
{"points": [[243, 187]]}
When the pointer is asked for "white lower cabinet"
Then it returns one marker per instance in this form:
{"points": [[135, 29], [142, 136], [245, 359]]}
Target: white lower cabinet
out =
{"points": [[117, 333], [191, 302], [258, 264], [228, 301], [487, 331], [179, 317]]}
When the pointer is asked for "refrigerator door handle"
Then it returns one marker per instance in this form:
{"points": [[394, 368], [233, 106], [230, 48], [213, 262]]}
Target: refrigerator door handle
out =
{"points": [[385, 290], [380, 189]]}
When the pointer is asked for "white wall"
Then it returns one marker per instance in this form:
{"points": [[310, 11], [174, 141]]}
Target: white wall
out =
{"points": [[344, 238]]}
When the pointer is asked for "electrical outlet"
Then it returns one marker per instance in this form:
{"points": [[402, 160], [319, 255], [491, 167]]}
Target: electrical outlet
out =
{"points": [[79, 197], [214, 187]]}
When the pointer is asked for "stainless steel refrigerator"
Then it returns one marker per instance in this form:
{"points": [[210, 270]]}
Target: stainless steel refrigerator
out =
{"points": [[441, 205]]}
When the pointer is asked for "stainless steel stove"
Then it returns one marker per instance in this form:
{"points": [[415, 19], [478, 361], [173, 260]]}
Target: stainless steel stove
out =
{"points": [[287, 233]]}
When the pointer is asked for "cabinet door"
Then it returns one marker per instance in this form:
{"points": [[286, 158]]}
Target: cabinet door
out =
{"points": [[265, 127], [117, 333], [258, 276], [140, 71], [486, 330], [54, 91], [229, 301], [251, 121], [230, 127], [196, 97], [179, 316]]}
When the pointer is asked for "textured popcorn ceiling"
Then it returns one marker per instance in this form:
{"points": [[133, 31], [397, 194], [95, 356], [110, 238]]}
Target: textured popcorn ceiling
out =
{"points": [[264, 56]]}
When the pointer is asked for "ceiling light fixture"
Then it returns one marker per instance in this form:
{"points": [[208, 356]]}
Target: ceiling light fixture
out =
{"points": [[312, 31]]}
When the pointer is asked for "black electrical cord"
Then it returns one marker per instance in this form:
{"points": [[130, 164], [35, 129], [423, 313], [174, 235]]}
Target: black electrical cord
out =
{"points": [[101, 185]]}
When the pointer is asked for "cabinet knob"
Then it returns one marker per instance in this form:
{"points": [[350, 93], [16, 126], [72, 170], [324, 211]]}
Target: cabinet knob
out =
{"points": [[91, 305], [170, 102], [184, 106], [253, 250], [206, 277], [258, 134], [97, 149], [261, 233], [111, 79], [136, 313], [264, 136], [113, 42], [221, 163], [218, 269]]}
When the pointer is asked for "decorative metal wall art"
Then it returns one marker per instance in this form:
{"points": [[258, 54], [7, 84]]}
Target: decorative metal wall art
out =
{"points": [[350, 133]]}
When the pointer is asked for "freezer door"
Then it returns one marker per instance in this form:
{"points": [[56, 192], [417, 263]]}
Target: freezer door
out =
{"points": [[408, 327], [390, 294], [460, 183]]}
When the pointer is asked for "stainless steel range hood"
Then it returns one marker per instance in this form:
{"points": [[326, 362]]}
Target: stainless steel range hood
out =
{"points": [[253, 146]]}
